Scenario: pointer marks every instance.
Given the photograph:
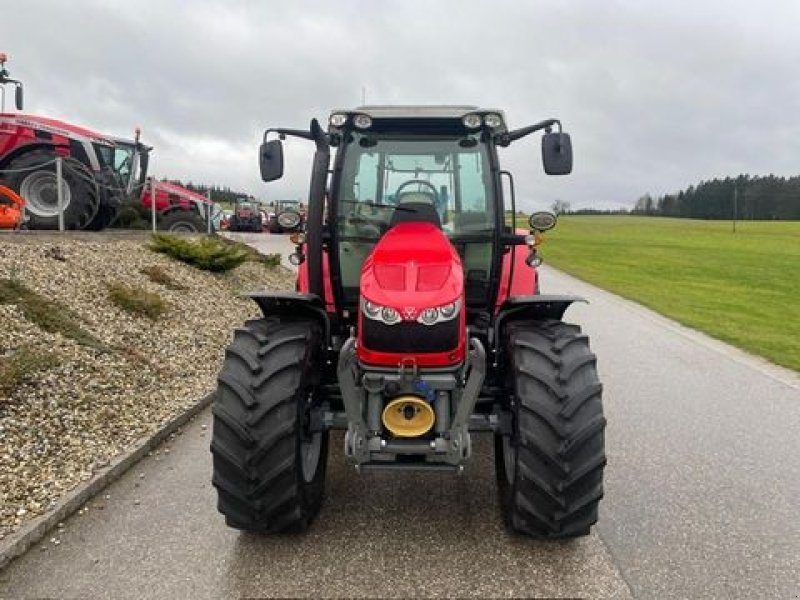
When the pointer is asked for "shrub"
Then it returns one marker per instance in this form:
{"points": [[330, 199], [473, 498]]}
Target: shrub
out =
{"points": [[22, 365], [136, 300], [158, 275], [47, 314], [208, 253], [253, 255]]}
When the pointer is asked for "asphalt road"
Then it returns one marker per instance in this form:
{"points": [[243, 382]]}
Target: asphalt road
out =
{"points": [[702, 492]]}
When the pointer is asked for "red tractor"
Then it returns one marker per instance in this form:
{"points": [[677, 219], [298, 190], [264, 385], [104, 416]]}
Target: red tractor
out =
{"points": [[417, 322], [246, 216], [101, 174]]}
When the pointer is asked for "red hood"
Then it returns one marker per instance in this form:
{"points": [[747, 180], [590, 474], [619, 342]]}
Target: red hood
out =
{"points": [[171, 188], [53, 126], [413, 266]]}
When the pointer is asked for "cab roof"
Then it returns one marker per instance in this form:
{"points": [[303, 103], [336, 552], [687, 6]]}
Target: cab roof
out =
{"points": [[417, 111]]}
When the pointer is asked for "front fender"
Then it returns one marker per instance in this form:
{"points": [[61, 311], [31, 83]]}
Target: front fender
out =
{"points": [[535, 307], [293, 303]]}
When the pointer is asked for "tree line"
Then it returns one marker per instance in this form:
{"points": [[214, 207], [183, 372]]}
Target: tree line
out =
{"points": [[218, 193], [742, 197]]}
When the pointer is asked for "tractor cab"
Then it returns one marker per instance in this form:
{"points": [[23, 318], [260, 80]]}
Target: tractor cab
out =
{"points": [[399, 168]]}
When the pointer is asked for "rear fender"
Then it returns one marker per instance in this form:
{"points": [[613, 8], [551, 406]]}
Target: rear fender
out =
{"points": [[20, 150], [536, 307], [292, 303]]}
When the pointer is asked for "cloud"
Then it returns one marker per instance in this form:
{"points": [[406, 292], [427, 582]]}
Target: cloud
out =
{"points": [[657, 97]]}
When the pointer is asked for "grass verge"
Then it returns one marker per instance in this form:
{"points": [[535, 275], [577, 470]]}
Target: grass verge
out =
{"points": [[47, 314], [739, 287]]}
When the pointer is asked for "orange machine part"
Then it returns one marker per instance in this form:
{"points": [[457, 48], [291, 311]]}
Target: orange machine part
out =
{"points": [[11, 208]]}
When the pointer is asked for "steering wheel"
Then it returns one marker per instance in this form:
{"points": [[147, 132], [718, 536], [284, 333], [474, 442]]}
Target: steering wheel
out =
{"points": [[420, 182]]}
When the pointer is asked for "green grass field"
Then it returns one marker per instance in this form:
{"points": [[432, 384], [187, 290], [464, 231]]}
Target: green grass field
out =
{"points": [[743, 287]]}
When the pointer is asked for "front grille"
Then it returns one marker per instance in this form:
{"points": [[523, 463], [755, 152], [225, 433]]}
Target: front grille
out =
{"points": [[408, 337]]}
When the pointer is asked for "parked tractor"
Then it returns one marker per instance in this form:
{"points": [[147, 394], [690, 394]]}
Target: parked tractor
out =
{"points": [[246, 216], [102, 174], [418, 323], [286, 216]]}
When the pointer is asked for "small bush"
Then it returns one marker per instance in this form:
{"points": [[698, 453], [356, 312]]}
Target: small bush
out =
{"points": [[208, 253], [131, 217], [47, 314], [271, 260], [136, 300], [158, 275], [253, 255], [22, 366]]}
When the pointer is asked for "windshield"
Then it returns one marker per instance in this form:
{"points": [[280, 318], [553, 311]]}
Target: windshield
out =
{"points": [[451, 173], [120, 158], [123, 161]]}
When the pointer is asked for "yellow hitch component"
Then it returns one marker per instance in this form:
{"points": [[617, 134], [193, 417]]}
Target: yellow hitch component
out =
{"points": [[408, 416]]}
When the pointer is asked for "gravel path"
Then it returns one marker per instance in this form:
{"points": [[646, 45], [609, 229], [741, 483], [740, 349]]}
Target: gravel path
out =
{"points": [[86, 406]]}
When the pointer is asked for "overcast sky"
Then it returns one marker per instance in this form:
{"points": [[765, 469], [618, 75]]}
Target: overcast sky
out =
{"points": [[657, 96]]}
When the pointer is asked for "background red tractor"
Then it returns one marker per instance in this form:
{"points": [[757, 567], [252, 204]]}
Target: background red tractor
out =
{"points": [[246, 216], [417, 323], [102, 174]]}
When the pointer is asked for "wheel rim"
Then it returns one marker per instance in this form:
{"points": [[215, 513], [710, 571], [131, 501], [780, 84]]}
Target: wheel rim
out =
{"points": [[309, 454], [40, 190], [509, 459], [310, 444], [183, 227]]}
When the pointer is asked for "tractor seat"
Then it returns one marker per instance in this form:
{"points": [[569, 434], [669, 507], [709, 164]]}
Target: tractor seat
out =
{"points": [[415, 211]]}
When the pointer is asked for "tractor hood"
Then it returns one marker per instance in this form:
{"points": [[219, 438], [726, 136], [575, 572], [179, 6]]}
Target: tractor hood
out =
{"points": [[412, 267]]}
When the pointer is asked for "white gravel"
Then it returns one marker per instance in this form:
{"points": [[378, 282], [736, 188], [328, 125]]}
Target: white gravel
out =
{"points": [[57, 429]]}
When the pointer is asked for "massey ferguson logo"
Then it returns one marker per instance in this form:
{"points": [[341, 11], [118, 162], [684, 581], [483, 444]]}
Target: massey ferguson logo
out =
{"points": [[409, 312]]}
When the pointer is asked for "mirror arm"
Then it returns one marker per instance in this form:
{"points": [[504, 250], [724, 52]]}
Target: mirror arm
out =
{"points": [[282, 133], [513, 239], [315, 134], [504, 139]]}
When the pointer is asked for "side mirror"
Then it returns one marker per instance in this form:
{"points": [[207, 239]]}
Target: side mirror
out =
{"points": [[557, 153], [542, 221], [270, 159], [18, 96]]}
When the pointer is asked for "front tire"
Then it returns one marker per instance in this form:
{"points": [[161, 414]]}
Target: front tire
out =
{"points": [[269, 469], [182, 221], [550, 469]]}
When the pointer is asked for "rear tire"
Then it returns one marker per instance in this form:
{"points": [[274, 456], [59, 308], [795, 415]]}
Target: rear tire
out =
{"points": [[38, 187], [550, 470], [269, 471]]}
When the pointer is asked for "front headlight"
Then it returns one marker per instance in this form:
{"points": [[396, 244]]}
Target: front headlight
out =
{"points": [[439, 314], [428, 316], [384, 314], [338, 119], [471, 121]]}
